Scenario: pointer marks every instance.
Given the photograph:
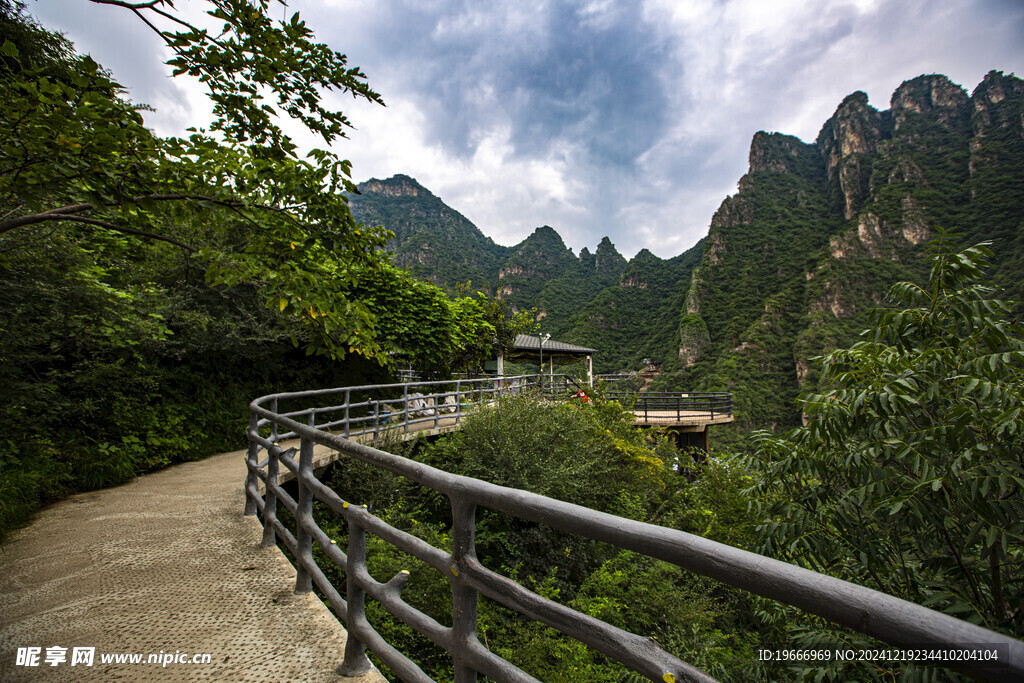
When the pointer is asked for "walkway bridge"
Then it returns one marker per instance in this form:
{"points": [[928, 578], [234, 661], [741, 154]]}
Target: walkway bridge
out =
{"points": [[337, 420], [410, 409]]}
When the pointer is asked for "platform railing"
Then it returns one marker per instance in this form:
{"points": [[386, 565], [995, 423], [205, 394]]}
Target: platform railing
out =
{"points": [[651, 406], [873, 613]]}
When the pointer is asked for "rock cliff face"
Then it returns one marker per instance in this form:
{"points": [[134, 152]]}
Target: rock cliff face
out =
{"points": [[396, 186], [935, 96], [847, 143], [778, 153]]}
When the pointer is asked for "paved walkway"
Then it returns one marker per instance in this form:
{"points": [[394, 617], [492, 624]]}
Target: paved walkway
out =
{"points": [[164, 564]]}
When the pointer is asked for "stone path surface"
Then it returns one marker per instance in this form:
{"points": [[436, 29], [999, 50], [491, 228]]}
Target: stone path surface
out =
{"points": [[164, 565]]}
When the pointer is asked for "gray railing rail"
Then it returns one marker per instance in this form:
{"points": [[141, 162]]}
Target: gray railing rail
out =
{"points": [[876, 614]]}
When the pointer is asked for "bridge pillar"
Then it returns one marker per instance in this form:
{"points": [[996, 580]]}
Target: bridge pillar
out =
{"points": [[687, 438]]}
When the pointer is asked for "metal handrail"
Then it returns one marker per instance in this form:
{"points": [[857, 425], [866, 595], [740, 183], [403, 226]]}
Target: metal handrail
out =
{"points": [[862, 609], [705, 404]]}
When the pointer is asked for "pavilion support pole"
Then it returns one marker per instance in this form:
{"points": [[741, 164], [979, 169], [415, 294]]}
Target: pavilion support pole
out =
{"points": [[590, 370]]}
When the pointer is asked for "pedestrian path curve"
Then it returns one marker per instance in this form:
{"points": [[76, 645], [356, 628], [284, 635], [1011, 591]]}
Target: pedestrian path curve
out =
{"points": [[165, 565]]}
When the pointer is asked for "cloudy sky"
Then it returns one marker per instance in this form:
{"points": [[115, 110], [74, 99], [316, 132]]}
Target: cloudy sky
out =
{"points": [[627, 118]]}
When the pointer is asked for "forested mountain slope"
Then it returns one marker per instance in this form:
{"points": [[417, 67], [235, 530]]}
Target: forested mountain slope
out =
{"points": [[628, 311], [432, 240]]}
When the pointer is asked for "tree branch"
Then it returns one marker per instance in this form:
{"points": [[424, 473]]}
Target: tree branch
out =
{"points": [[52, 216], [233, 204], [130, 5]]}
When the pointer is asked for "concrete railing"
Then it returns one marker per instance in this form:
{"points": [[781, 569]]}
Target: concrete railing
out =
{"points": [[352, 410]]}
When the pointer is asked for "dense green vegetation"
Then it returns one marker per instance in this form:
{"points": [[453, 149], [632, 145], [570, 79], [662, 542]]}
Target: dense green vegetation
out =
{"points": [[636, 317], [155, 286], [749, 292], [908, 476], [589, 454], [786, 275], [575, 285]]}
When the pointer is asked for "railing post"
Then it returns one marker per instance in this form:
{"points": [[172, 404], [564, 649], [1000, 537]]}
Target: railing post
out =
{"points": [[464, 598], [356, 663], [273, 425], [251, 461], [348, 401], [303, 517], [405, 407], [270, 504], [376, 419], [458, 401], [436, 398]]}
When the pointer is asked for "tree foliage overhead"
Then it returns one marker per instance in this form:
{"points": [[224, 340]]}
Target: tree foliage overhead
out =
{"points": [[77, 152], [908, 476]]}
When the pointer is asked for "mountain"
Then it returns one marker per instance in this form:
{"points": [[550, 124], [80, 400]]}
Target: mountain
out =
{"points": [[437, 243], [637, 317], [818, 232], [792, 263], [627, 311], [432, 240]]}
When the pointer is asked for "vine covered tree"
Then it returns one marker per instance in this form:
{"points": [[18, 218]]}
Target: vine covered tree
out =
{"points": [[153, 286]]}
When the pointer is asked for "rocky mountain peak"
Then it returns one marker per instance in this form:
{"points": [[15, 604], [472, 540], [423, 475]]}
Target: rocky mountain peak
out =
{"points": [[989, 102], [846, 142], [933, 94], [608, 259], [774, 152], [778, 153], [399, 185]]}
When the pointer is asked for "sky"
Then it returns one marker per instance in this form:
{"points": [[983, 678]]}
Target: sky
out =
{"points": [[630, 119]]}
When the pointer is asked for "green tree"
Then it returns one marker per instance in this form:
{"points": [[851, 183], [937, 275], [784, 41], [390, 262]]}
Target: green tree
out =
{"points": [[76, 152], [418, 322], [908, 475]]}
